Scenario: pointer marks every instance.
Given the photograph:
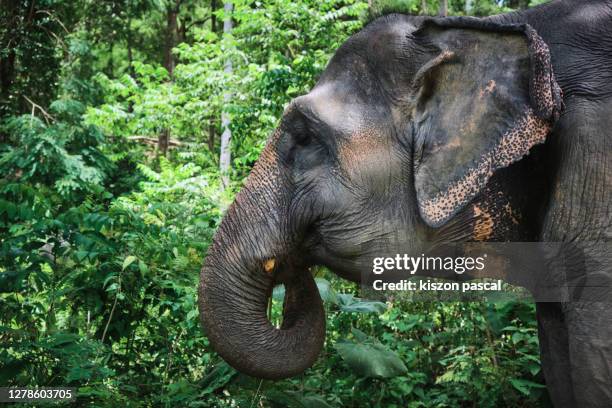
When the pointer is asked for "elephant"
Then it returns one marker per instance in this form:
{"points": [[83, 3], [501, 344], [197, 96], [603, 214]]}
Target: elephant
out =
{"points": [[429, 129]]}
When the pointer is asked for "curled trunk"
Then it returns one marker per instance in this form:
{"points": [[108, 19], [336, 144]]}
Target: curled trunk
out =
{"points": [[250, 253]]}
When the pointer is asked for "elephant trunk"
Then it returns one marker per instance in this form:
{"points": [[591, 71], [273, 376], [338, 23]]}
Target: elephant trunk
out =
{"points": [[250, 253]]}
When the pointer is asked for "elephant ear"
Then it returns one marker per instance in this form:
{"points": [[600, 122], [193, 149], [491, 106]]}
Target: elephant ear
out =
{"points": [[486, 95]]}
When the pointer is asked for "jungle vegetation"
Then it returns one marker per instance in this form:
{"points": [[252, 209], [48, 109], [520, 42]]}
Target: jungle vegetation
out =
{"points": [[126, 127]]}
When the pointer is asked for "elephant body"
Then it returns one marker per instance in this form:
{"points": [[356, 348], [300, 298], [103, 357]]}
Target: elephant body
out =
{"points": [[576, 337], [420, 131]]}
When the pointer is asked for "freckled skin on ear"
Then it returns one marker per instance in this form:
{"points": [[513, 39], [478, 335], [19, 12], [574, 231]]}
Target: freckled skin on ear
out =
{"points": [[477, 112], [513, 145], [502, 212]]}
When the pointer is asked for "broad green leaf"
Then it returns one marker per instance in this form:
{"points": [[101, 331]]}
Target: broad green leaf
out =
{"points": [[78, 373], [60, 339], [108, 278], [360, 336], [278, 293], [371, 359], [143, 268], [314, 401], [326, 292], [349, 303], [534, 368], [284, 398], [112, 287], [128, 261], [524, 386], [517, 337], [192, 314], [81, 255]]}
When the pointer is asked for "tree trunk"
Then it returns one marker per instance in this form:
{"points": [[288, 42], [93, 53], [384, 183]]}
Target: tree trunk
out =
{"points": [[7, 73], [443, 8], [162, 142], [111, 68], [424, 7], [130, 53], [169, 63], [213, 17], [211, 135], [10, 36], [171, 36], [225, 158]]}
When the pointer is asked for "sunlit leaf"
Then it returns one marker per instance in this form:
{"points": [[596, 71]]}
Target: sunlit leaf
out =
{"points": [[128, 261]]}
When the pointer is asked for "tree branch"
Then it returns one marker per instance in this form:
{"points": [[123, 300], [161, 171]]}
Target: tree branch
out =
{"points": [[153, 140], [110, 317], [194, 22], [35, 106]]}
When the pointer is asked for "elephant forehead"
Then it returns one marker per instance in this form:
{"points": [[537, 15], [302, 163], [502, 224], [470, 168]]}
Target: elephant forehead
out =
{"points": [[364, 151], [361, 142], [338, 104]]}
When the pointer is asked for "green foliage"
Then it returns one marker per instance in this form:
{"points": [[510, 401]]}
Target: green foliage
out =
{"points": [[102, 238], [63, 154], [455, 7], [368, 358]]}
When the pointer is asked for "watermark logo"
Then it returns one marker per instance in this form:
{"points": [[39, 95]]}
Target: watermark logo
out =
{"points": [[539, 271], [412, 265]]}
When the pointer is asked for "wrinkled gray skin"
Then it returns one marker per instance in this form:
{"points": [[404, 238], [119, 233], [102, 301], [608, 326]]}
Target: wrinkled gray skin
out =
{"points": [[383, 156]]}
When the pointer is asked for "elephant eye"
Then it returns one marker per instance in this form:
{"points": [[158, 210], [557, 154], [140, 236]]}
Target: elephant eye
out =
{"points": [[300, 139], [303, 138], [302, 134], [302, 146]]}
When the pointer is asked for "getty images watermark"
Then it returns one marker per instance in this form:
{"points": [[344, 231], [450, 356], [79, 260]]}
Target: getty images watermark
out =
{"points": [[411, 265], [540, 271]]}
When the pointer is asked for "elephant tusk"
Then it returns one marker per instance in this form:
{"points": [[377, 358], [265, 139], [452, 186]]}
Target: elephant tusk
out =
{"points": [[269, 265]]}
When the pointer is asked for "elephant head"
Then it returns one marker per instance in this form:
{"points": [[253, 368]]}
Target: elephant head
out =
{"points": [[398, 144]]}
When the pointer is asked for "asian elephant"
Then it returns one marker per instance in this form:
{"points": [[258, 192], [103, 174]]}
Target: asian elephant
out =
{"points": [[444, 129]]}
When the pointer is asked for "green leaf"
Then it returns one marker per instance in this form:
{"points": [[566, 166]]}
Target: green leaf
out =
{"points": [[349, 303], [371, 359], [60, 339], [108, 278], [217, 378], [285, 399], [112, 287], [78, 373], [313, 401], [360, 336], [192, 314], [524, 386], [81, 255], [517, 337], [143, 268], [325, 290], [128, 261], [278, 293]]}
